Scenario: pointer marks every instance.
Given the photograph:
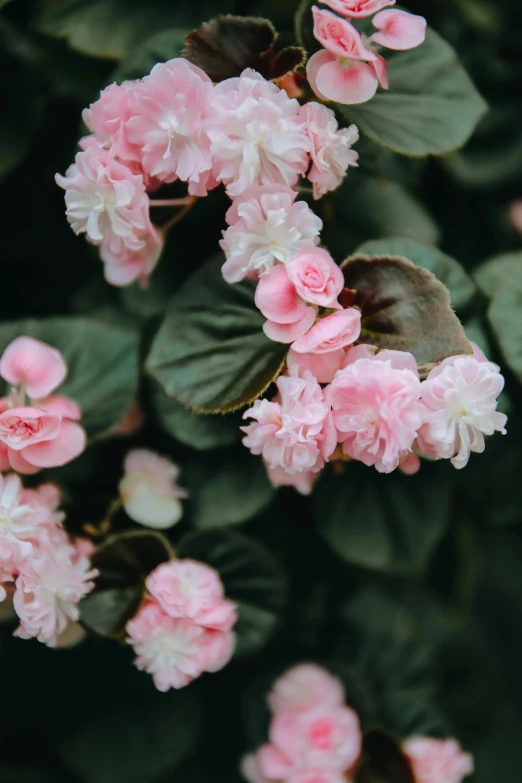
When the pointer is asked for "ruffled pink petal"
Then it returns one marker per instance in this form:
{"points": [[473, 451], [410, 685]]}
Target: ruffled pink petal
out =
{"points": [[380, 68], [313, 65], [57, 405], [19, 464], [339, 36], [277, 298], [399, 30], [71, 441], [331, 333], [349, 83], [287, 333], [35, 364], [323, 366]]}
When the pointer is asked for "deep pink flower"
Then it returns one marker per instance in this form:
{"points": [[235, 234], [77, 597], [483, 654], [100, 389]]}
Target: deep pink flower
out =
{"points": [[399, 29], [330, 148], [316, 277], [257, 135], [331, 333], [303, 688], [376, 410], [437, 761], [266, 227], [339, 36], [36, 365], [357, 9]]}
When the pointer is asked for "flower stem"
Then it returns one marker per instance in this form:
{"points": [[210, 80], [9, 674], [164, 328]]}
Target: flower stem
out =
{"points": [[189, 203], [171, 202]]}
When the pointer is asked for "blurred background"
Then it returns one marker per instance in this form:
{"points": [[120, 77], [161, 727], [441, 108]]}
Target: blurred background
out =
{"points": [[424, 621]]}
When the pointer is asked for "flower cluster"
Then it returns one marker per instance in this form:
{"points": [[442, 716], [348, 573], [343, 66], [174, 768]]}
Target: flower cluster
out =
{"points": [[149, 491], [349, 68], [42, 431], [42, 570], [375, 406], [175, 124], [314, 737], [184, 627]]}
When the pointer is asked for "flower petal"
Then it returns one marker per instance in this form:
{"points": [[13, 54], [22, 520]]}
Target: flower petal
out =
{"points": [[287, 333], [277, 297], [348, 83], [35, 364], [399, 30], [71, 441], [331, 333]]}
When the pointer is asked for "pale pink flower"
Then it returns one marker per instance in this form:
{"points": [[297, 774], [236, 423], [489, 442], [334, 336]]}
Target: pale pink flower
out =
{"points": [[339, 36], [106, 119], [305, 687], [399, 30], [295, 432], [410, 464], [323, 366], [257, 135], [301, 482], [344, 80], [460, 401], [83, 549], [357, 9], [167, 125], [49, 587], [266, 227], [437, 761], [36, 365], [17, 528], [277, 297], [218, 649], [193, 591], [149, 490], [124, 265], [330, 148], [320, 738], [376, 410], [331, 333], [316, 277], [287, 333], [251, 771]]}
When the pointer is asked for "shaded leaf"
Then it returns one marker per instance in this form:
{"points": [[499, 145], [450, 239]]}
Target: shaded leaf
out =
{"points": [[383, 761], [252, 577], [445, 268], [504, 318], [490, 275], [386, 523], [404, 308], [210, 352], [162, 46], [124, 561]]}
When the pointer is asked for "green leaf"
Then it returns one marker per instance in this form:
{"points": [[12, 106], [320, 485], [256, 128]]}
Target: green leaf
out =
{"points": [[504, 318], [431, 108], [227, 489], [102, 361], [210, 353], [445, 268], [159, 48], [383, 761], [252, 577], [386, 523], [194, 429], [490, 275], [124, 561], [138, 743], [404, 308]]}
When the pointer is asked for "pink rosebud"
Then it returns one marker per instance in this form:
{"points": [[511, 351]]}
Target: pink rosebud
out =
{"points": [[399, 29], [331, 333], [330, 148], [343, 80], [339, 37], [437, 761], [316, 277], [358, 9], [22, 427], [323, 366], [40, 368], [277, 297], [305, 687]]}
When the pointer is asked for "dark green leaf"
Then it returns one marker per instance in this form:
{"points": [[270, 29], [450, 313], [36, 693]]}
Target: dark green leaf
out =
{"points": [[252, 577], [383, 761], [387, 523], [123, 561], [210, 352], [445, 268], [404, 308], [102, 362], [227, 489], [161, 47], [493, 273], [504, 317], [431, 108]]}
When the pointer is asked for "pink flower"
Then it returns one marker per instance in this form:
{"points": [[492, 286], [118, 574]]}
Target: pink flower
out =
{"points": [[17, 528], [344, 80], [301, 482], [193, 591], [323, 366], [331, 333], [36, 365], [149, 490], [339, 37], [167, 125], [515, 215], [266, 227], [316, 277], [106, 119], [251, 770], [437, 761], [330, 148], [287, 333], [410, 464], [317, 776], [277, 298], [303, 688], [257, 136], [460, 401], [124, 265], [399, 29], [295, 432], [358, 9], [326, 738], [376, 410]]}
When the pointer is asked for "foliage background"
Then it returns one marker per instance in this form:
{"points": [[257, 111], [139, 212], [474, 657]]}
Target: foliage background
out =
{"points": [[410, 588]]}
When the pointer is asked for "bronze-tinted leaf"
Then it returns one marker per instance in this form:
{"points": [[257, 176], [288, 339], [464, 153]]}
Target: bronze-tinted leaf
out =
{"points": [[405, 308], [287, 61], [383, 761]]}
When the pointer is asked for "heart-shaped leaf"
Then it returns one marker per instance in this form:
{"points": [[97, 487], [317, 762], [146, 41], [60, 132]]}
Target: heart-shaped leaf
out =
{"points": [[210, 353], [504, 317]]}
